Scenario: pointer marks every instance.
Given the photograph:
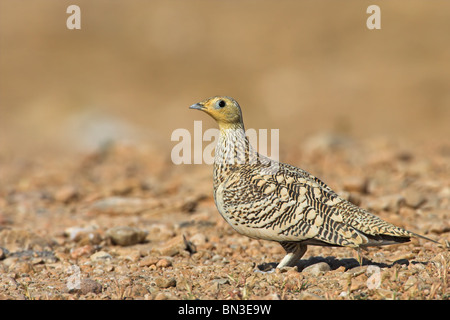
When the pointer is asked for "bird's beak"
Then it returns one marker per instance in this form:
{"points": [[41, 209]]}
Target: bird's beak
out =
{"points": [[197, 106]]}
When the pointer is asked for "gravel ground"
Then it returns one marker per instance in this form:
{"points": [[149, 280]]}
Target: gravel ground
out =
{"points": [[78, 221], [124, 223]]}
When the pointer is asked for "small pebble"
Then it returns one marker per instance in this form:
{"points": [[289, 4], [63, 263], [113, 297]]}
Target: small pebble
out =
{"points": [[317, 269], [88, 235], [165, 283], [148, 261], [221, 281], [88, 285], [138, 291], [172, 247], [9, 261], [356, 271], [126, 236], [372, 269], [21, 267], [163, 263], [100, 255], [374, 281], [82, 251]]}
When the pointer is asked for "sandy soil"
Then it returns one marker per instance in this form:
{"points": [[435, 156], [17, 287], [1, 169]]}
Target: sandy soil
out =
{"points": [[113, 225]]}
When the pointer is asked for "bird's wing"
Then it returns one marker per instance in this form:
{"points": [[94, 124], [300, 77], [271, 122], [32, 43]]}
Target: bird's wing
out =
{"points": [[287, 205]]}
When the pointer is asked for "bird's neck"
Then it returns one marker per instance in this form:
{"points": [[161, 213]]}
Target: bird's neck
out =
{"points": [[233, 150]]}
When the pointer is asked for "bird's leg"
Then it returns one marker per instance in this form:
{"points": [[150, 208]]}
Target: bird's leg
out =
{"points": [[359, 251], [294, 252]]}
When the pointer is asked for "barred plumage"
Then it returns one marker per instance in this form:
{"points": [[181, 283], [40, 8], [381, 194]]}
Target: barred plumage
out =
{"points": [[270, 200]]}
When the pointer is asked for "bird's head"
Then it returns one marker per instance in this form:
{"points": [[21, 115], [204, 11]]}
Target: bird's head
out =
{"points": [[225, 110]]}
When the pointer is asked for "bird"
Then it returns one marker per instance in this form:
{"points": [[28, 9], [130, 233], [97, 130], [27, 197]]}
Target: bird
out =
{"points": [[269, 200]]}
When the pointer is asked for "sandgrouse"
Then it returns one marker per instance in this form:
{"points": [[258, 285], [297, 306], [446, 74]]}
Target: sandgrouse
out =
{"points": [[265, 199]]}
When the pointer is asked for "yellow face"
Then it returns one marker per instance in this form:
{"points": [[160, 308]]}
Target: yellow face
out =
{"points": [[224, 110]]}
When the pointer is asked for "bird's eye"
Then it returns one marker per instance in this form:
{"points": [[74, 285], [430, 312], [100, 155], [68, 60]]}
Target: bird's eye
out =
{"points": [[221, 103]]}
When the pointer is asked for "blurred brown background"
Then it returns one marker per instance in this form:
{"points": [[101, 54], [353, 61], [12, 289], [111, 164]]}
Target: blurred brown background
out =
{"points": [[304, 67]]}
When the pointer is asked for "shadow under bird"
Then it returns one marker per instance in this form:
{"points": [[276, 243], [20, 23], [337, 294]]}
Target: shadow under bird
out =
{"points": [[265, 199]]}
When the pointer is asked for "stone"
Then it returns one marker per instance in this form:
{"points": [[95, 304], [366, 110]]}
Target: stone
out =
{"points": [[162, 282], [221, 281], [358, 283], [88, 285], [374, 280], [172, 247], [138, 291], [148, 261], [21, 267], [372, 269], [82, 251], [163, 263], [130, 255], [84, 236], [317, 269], [356, 271], [126, 236], [9, 261], [100, 255]]}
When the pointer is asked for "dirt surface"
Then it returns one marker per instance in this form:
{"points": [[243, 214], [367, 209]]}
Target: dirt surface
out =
{"points": [[114, 225], [93, 207]]}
